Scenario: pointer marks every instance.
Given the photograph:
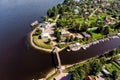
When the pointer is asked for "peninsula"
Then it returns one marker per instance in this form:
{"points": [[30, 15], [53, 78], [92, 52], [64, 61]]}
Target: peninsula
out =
{"points": [[75, 23]]}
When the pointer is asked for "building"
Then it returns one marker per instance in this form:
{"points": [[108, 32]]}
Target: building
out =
{"points": [[45, 35], [64, 33], [107, 20], [76, 11], [85, 34], [43, 26], [76, 0]]}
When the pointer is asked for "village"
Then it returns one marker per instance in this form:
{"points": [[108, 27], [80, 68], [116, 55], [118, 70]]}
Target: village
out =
{"points": [[73, 28], [75, 25]]}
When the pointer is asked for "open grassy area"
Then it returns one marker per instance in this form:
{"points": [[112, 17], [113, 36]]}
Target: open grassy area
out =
{"points": [[41, 43], [111, 67], [112, 31], [96, 35]]}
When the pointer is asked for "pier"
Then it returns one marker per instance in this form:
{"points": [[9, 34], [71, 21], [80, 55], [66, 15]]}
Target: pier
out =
{"points": [[55, 51]]}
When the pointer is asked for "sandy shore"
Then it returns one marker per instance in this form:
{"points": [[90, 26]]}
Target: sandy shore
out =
{"points": [[30, 39]]}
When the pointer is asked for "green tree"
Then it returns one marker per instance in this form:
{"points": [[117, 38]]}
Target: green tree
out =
{"points": [[67, 39], [45, 18], [100, 29], [75, 76], [84, 27], [86, 68], [49, 12], [115, 75], [81, 74], [106, 31], [55, 10], [71, 39], [96, 67], [58, 39], [38, 32], [56, 32], [103, 60], [76, 38]]}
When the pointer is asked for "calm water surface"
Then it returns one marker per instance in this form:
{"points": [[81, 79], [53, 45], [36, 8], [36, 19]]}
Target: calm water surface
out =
{"points": [[17, 62]]}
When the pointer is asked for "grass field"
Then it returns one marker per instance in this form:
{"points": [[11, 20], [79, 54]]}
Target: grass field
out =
{"points": [[41, 43]]}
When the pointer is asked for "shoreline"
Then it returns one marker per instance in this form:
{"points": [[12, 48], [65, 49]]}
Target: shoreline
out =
{"points": [[30, 39]]}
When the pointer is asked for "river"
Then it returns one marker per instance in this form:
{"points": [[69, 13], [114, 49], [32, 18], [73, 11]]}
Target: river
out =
{"points": [[17, 61]]}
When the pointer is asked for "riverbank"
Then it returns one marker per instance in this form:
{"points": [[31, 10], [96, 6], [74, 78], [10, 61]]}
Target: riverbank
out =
{"points": [[59, 50], [33, 45]]}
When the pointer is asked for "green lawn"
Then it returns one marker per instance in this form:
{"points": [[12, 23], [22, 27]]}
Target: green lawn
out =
{"points": [[73, 68], [94, 34], [41, 43]]}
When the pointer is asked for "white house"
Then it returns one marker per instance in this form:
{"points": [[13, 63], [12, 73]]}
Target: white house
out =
{"points": [[45, 24], [76, 11], [41, 29], [76, 0], [45, 35]]}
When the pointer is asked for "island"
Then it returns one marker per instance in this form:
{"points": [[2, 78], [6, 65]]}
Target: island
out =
{"points": [[75, 25]]}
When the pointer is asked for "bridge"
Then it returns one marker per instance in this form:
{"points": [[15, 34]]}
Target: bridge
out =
{"points": [[55, 51]]}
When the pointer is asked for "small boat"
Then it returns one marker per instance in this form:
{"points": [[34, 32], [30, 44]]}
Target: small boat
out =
{"points": [[68, 50], [34, 23], [84, 47]]}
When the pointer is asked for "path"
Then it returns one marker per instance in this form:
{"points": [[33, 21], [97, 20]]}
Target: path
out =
{"points": [[57, 18], [94, 12]]}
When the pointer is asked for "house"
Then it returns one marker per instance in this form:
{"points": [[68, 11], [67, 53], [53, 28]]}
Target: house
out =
{"points": [[76, 11], [64, 33], [41, 29], [45, 24], [107, 20], [66, 15], [85, 34], [86, 13], [76, 0], [45, 35], [95, 2]]}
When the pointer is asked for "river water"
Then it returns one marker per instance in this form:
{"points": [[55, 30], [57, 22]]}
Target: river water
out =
{"points": [[17, 61]]}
